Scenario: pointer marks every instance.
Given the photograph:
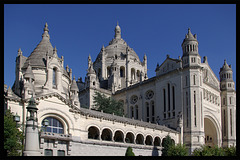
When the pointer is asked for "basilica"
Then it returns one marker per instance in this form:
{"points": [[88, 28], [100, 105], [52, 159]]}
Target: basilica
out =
{"points": [[184, 100]]}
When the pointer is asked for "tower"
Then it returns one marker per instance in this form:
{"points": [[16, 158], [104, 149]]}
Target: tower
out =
{"points": [[228, 106], [193, 127], [32, 137]]}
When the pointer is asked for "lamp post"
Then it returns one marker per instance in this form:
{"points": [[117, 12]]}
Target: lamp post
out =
{"points": [[16, 119], [32, 135], [45, 124]]}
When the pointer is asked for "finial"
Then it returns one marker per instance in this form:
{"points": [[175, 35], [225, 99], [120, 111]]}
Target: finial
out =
{"points": [[19, 51], [189, 30], [117, 23], [74, 78], [46, 27]]}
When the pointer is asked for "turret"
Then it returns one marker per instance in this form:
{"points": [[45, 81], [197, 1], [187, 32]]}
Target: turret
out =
{"points": [[28, 84], [228, 106], [74, 93], [190, 50]]}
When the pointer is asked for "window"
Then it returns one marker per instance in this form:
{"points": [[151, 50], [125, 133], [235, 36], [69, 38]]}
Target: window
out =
{"points": [[149, 94], [186, 80], [164, 100], [55, 126], [48, 152], [168, 97], [231, 121], [136, 107], [173, 97], [153, 118], [195, 119], [230, 100], [132, 111], [54, 77], [194, 79], [61, 153], [122, 71], [147, 108], [224, 122]]}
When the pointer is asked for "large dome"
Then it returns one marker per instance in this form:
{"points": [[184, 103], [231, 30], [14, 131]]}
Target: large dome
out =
{"points": [[117, 47]]}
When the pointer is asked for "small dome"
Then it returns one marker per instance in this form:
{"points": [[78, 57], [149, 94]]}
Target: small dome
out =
{"points": [[29, 73], [225, 67], [74, 86]]}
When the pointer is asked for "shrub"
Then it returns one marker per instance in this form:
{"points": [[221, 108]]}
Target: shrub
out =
{"points": [[129, 152], [230, 151], [178, 150]]}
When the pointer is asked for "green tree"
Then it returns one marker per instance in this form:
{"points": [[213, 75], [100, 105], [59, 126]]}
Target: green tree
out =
{"points": [[12, 136], [178, 150], [107, 104], [167, 142], [129, 152]]}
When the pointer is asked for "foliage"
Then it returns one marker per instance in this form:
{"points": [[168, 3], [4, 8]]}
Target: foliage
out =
{"points": [[12, 136], [178, 150], [167, 142], [107, 104], [214, 151], [129, 152], [230, 151]]}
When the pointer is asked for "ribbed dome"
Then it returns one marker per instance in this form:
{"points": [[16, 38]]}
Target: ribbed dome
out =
{"points": [[118, 46], [190, 37], [38, 56], [225, 67]]}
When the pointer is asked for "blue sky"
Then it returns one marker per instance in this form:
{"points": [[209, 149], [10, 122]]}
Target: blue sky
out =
{"points": [[78, 30]]}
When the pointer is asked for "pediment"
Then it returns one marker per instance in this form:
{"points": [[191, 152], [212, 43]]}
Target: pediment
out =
{"points": [[209, 77], [168, 65]]}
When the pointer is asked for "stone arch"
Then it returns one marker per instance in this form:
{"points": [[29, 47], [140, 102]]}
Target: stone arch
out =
{"points": [[60, 115], [106, 134], [157, 141], [148, 140], [93, 132], [212, 131], [118, 136], [173, 140], [129, 137], [138, 75], [139, 139]]}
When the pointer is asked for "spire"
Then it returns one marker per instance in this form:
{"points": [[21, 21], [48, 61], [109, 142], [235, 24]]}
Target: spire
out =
{"points": [[46, 30], [19, 52], [117, 32]]}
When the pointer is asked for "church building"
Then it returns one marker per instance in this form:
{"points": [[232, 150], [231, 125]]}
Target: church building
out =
{"points": [[185, 100]]}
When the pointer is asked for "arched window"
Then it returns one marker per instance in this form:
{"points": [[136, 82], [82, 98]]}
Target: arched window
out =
{"points": [[93, 133], [118, 137], [54, 80], [153, 114], [133, 74], [136, 109], [55, 126], [157, 141], [148, 140], [99, 72], [108, 71], [139, 139], [106, 135], [147, 110], [129, 138], [122, 71]]}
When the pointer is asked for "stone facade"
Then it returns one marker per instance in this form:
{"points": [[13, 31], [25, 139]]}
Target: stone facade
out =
{"points": [[184, 100]]}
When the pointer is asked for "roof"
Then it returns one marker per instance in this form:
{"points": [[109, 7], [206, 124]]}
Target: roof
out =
{"points": [[38, 56]]}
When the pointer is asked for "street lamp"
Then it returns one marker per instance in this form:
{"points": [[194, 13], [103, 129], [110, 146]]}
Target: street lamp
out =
{"points": [[16, 118], [45, 124]]}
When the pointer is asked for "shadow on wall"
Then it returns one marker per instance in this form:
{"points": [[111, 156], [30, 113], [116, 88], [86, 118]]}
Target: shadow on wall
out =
{"points": [[155, 151]]}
